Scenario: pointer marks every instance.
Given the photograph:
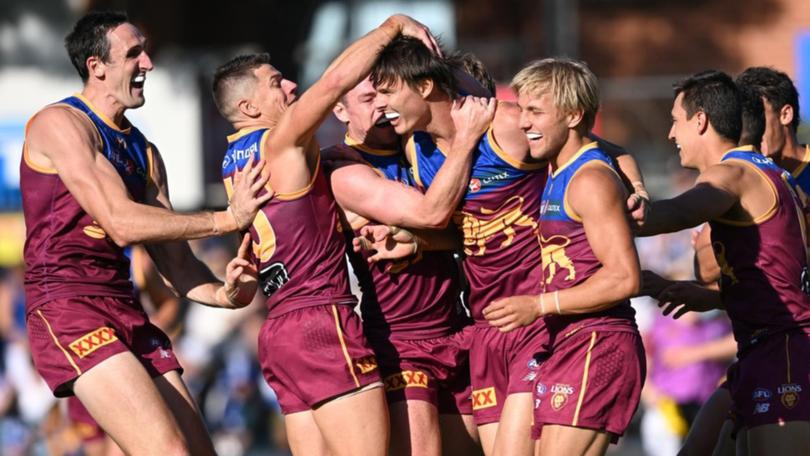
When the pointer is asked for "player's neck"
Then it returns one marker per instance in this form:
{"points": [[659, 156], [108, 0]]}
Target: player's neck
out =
{"points": [[793, 154], [713, 152], [251, 123], [441, 126], [573, 145], [104, 103]]}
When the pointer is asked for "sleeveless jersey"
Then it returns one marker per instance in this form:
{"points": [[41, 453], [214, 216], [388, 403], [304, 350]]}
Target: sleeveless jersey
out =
{"points": [[497, 219], [763, 264], [66, 252], [568, 259], [417, 302], [297, 237]]}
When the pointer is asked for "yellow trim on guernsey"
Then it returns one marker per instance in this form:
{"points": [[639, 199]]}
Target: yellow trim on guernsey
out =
{"points": [[584, 386], [343, 346], [56, 341]]}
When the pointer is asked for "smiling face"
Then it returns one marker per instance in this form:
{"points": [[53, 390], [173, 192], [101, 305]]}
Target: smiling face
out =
{"points": [[685, 133], [364, 122], [404, 107], [546, 126], [124, 74], [272, 94]]}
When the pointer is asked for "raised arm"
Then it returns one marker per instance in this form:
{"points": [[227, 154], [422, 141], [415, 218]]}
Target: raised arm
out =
{"points": [[596, 195], [61, 138], [359, 189]]}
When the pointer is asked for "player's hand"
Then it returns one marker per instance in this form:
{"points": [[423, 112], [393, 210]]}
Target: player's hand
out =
{"points": [[653, 284], [247, 198], [241, 277], [511, 313], [638, 206], [410, 27], [682, 297], [472, 117], [399, 246]]}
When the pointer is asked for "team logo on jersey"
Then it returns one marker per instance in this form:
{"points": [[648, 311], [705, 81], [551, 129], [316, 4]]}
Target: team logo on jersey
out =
{"points": [[761, 394], [541, 389], [92, 341], [273, 277], [554, 257], [475, 185], [504, 220], [366, 364], [559, 395], [790, 394], [725, 268], [484, 398], [406, 379]]}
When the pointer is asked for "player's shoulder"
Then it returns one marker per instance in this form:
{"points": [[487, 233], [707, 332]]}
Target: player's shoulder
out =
{"points": [[506, 113], [59, 115]]}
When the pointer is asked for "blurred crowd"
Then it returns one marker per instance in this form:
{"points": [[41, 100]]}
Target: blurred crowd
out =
{"points": [[217, 349]]}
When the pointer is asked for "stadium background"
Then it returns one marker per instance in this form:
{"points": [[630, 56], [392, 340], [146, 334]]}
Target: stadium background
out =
{"points": [[637, 48]]}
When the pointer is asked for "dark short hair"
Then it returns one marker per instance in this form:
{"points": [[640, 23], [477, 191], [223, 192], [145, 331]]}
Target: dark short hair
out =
{"points": [[715, 94], [232, 71], [472, 65], [753, 116], [408, 60], [89, 38], [775, 86]]}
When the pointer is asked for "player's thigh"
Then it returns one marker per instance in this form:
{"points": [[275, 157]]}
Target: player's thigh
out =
{"points": [[788, 439], [567, 440], [725, 444], [486, 434], [185, 411], [705, 430], [515, 428], [304, 436], [132, 412], [414, 428], [459, 434], [355, 423]]}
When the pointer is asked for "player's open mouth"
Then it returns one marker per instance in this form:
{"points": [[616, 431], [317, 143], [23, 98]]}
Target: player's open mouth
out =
{"points": [[533, 136], [382, 122], [391, 116], [138, 81]]}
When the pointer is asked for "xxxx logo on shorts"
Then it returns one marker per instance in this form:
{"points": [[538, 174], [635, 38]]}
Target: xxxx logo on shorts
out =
{"points": [[484, 398], [559, 395], [790, 394], [92, 341], [366, 364], [406, 379]]}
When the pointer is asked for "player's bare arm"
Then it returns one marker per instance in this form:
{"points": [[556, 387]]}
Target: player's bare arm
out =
{"points": [[714, 194], [359, 189], [597, 196], [291, 146], [394, 243], [63, 139], [705, 264]]}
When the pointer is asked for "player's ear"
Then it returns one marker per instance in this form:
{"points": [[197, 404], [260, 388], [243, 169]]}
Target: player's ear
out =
{"points": [[247, 108], [95, 66], [575, 118], [786, 115], [340, 112], [425, 87], [702, 122]]}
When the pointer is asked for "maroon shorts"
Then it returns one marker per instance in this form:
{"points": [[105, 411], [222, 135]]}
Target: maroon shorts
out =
{"points": [[83, 423], [69, 336], [502, 364], [770, 383], [591, 380], [314, 354], [433, 370]]}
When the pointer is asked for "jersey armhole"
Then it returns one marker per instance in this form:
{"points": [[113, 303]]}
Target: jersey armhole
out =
{"points": [[569, 211], [765, 216]]}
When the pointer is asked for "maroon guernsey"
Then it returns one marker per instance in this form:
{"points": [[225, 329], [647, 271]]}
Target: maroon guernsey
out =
{"points": [[66, 252], [297, 238], [764, 263]]}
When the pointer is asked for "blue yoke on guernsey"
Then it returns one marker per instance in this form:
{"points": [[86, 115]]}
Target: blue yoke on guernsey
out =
{"points": [[568, 259], [298, 246], [497, 219], [66, 252], [802, 173]]}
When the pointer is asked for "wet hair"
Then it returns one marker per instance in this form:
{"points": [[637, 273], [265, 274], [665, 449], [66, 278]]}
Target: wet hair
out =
{"points": [[89, 39], [753, 115], [715, 94], [572, 85], [408, 60], [775, 86], [472, 65], [229, 77]]}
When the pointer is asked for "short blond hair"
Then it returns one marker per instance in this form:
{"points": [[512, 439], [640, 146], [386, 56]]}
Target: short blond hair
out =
{"points": [[572, 85]]}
